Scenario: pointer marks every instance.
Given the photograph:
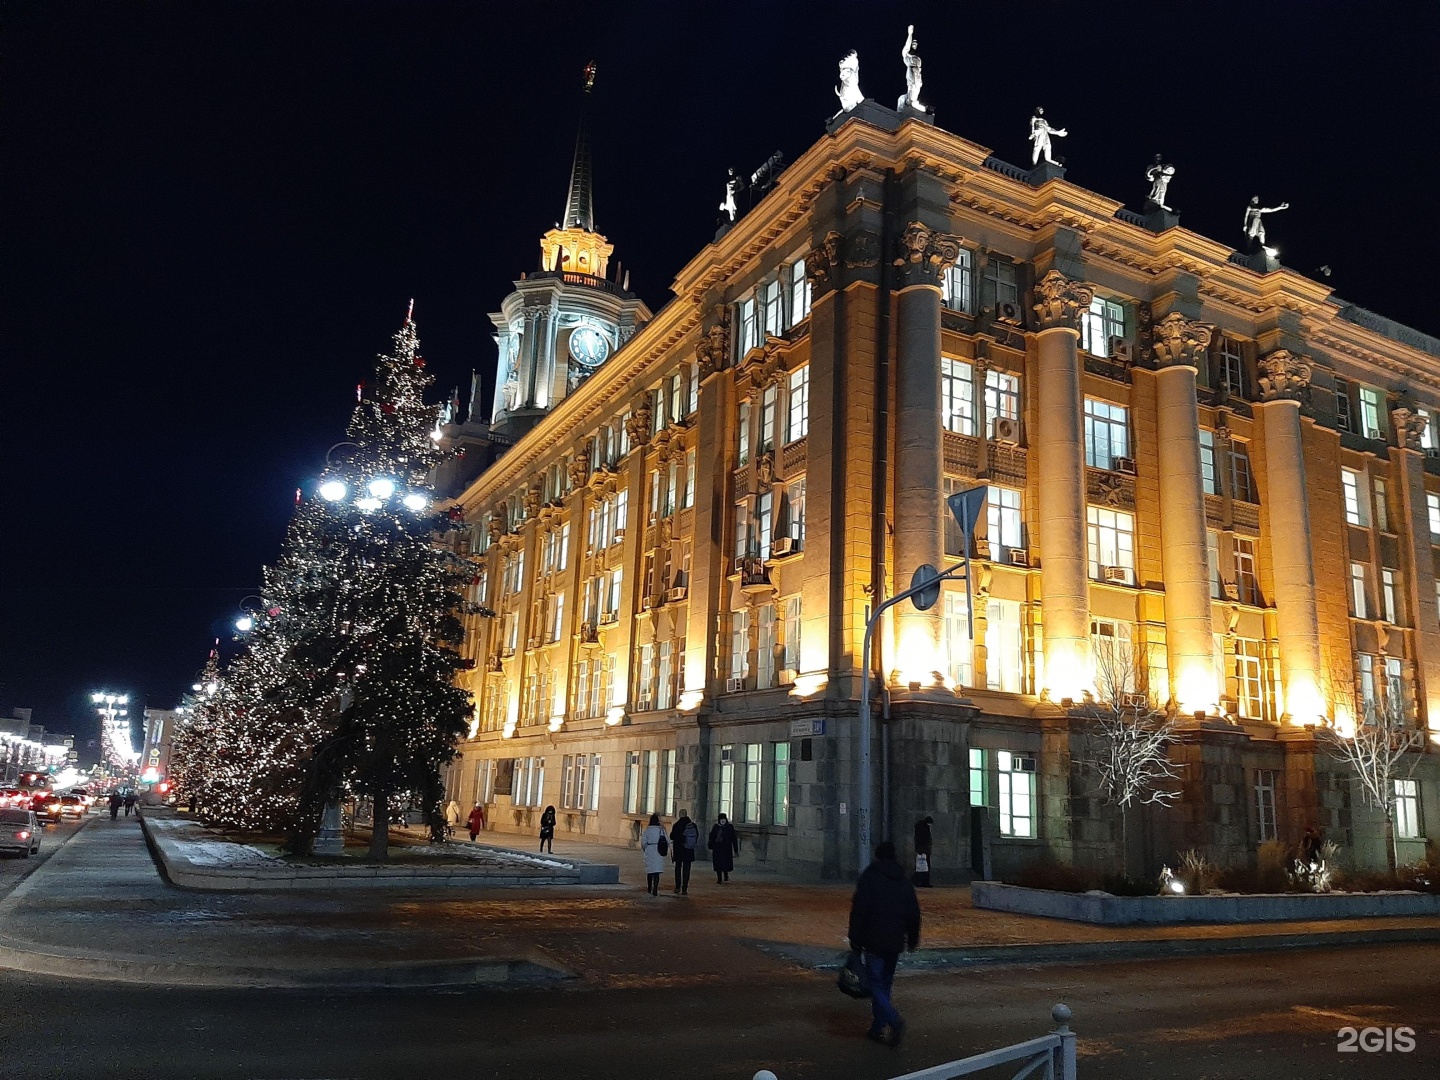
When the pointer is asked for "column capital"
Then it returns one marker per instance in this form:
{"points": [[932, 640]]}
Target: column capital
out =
{"points": [[1283, 376], [1179, 342], [1409, 427], [1061, 301], [925, 254]]}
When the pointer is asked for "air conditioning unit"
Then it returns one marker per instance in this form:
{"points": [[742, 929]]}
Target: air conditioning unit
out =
{"points": [[1009, 313], [1123, 465], [1004, 429], [1232, 590], [609, 618], [532, 643], [1019, 557], [506, 654], [674, 596], [782, 546], [651, 601], [1131, 701], [1122, 350], [1432, 451], [588, 634], [619, 535], [1117, 573], [733, 686], [1374, 433]]}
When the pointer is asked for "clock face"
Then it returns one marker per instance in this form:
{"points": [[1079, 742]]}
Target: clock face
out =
{"points": [[588, 346]]}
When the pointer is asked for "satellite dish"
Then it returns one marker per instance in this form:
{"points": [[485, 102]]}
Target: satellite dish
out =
{"points": [[927, 579]]}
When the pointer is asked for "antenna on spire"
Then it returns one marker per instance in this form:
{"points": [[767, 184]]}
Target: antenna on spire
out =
{"points": [[589, 76], [580, 199], [409, 311]]}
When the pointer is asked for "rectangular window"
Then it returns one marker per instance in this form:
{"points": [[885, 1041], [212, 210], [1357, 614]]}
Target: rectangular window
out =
{"points": [[739, 646], [664, 693], [1004, 660], [791, 658], [1016, 793], [1359, 591], [1002, 395], [959, 650], [799, 400], [742, 530], [954, 539], [959, 282], [1394, 690], [1107, 433], [667, 785], [679, 395], [1427, 433], [795, 503], [645, 679], [1212, 556], [1242, 484], [557, 617], [978, 778], [751, 808], [1002, 512], [1265, 804], [632, 782], [749, 335], [1343, 418], [1232, 366], [1372, 412], [765, 650], [594, 784], [1246, 581], [1382, 505], [1112, 544], [1407, 810], [773, 297], [1356, 510], [769, 406], [764, 506], [689, 497], [726, 787], [1105, 320], [1249, 678], [567, 782], [743, 434], [957, 392], [799, 293], [1002, 281], [1113, 656], [780, 791], [1389, 596], [1365, 679], [650, 766], [1432, 510]]}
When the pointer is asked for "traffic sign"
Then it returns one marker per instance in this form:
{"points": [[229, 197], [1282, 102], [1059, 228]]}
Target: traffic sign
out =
{"points": [[928, 577], [966, 506]]}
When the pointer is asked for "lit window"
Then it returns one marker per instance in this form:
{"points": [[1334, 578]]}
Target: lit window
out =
{"points": [[667, 785], [1246, 582], [664, 696], [748, 328], [1382, 505], [1107, 433], [1372, 413], [1002, 520], [557, 617], [743, 436], [769, 406], [977, 777], [958, 282], [1394, 690], [958, 651], [739, 644], [1265, 804], [773, 298], [1004, 660], [1002, 395], [632, 782], [1112, 544], [727, 782], [799, 401], [594, 782], [795, 512], [780, 796], [1356, 511], [1232, 366], [750, 808], [689, 478], [1389, 596], [1427, 433], [1209, 479], [1016, 793], [799, 293], [764, 504], [1249, 678], [1407, 810], [1113, 655], [957, 389], [1358, 591], [645, 679], [1432, 509], [742, 530], [1212, 555], [790, 658], [765, 649], [1105, 320]]}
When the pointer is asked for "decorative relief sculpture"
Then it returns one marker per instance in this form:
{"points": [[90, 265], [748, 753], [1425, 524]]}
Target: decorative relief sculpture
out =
{"points": [[1109, 489], [580, 467], [765, 470], [1177, 340], [1060, 302], [822, 262], [925, 253], [862, 250], [910, 54], [1159, 176], [1283, 376], [530, 501], [1409, 426], [1040, 132], [495, 528], [849, 89], [1255, 219], [638, 425], [713, 351]]}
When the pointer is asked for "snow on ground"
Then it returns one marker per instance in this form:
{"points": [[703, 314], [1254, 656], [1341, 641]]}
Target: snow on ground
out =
{"points": [[223, 853]]}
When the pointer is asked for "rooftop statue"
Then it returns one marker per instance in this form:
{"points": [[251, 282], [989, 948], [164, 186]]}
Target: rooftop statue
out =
{"points": [[732, 188], [849, 89], [1255, 218], [1040, 132], [1159, 176], [911, 55]]}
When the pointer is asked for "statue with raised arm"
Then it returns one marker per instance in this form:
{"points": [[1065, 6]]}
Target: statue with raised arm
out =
{"points": [[732, 188], [1255, 218], [911, 55], [849, 89], [1159, 176], [1040, 132]]}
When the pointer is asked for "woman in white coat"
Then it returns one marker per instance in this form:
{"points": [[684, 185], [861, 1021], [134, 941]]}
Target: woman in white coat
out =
{"points": [[654, 845]]}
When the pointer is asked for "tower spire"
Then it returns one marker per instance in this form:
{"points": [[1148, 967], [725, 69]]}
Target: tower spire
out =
{"points": [[580, 201]]}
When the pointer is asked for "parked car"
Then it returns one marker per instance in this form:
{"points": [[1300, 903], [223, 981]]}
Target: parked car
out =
{"points": [[73, 806], [46, 805], [19, 831], [11, 797]]}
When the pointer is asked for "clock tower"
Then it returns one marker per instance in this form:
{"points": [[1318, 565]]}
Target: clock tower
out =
{"points": [[567, 318]]}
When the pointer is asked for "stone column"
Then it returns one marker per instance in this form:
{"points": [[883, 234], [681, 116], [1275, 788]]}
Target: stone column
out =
{"points": [[709, 557], [1283, 377], [1059, 443], [1408, 461], [919, 443], [1178, 346]]}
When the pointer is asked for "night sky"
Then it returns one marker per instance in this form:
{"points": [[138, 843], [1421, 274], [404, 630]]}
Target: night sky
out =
{"points": [[215, 213]]}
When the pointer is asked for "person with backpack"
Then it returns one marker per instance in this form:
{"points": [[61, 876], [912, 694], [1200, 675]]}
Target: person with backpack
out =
{"points": [[654, 846], [724, 846], [684, 839]]}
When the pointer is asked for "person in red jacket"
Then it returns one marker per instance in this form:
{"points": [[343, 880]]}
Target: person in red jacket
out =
{"points": [[477, 822]]}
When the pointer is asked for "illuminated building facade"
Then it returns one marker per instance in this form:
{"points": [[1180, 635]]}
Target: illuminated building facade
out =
{"points": [[1193, 457]]}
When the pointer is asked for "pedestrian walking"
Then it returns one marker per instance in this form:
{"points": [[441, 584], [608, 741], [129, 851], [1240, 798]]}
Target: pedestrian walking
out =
{"points": [[653, 846], [129, 802], [724, 846], [884, 922], [923, 842], [115, 801], [452, 818], [547, 829], [684, 839], [476, 821]]}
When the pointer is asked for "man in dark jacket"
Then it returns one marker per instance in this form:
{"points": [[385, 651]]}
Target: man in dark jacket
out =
{"points": [[884, 921], [923, 844], [684, 839]]}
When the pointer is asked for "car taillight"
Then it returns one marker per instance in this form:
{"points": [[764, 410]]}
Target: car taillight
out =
{"points": [[23, 834]]}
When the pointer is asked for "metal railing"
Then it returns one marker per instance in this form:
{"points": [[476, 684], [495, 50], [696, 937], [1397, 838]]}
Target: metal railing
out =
{"points": [[1051, 1056]]}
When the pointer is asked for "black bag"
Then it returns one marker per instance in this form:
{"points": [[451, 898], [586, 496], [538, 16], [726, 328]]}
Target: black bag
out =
{"points": [[854, 980], [662, 845]]}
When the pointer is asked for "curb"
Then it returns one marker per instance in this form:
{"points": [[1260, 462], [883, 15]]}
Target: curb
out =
{"points": [[947, 959]]}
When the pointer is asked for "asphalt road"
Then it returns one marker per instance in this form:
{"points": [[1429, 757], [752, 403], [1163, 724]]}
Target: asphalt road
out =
{"points": [[1272, 1016], [14, 868]]}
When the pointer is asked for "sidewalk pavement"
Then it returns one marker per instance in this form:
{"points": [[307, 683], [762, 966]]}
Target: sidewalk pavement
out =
{"points": [[99, 909]]}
